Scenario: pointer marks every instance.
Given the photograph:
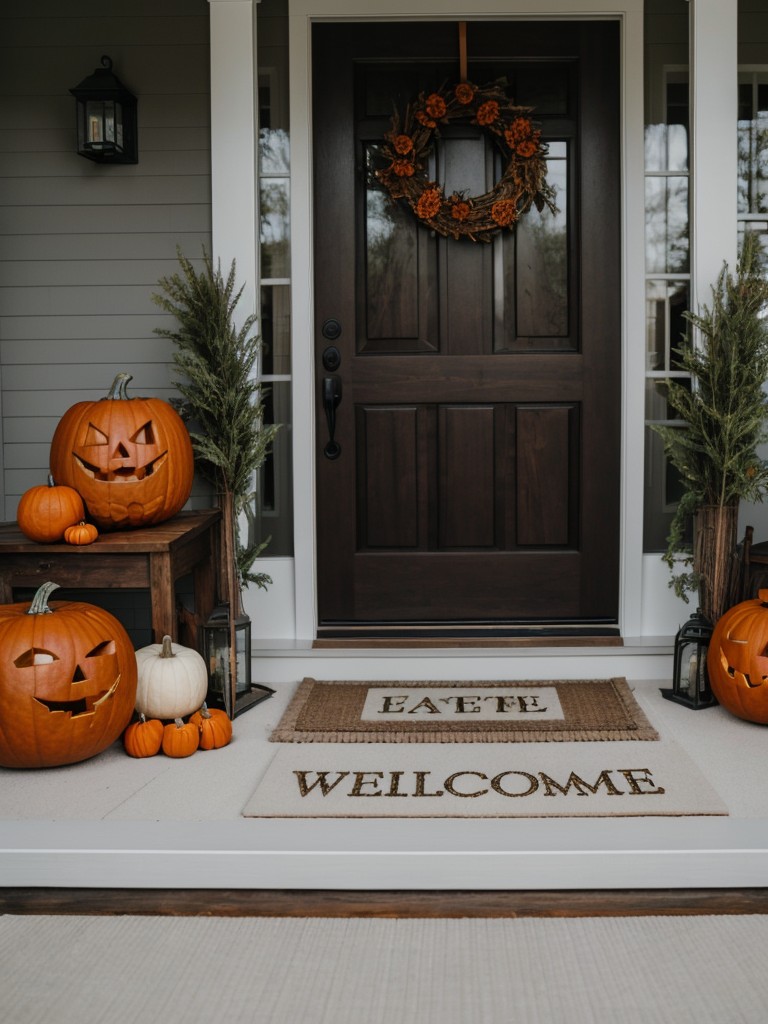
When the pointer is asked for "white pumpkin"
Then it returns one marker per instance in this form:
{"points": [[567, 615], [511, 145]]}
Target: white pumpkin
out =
{"points": [[173, 680]]}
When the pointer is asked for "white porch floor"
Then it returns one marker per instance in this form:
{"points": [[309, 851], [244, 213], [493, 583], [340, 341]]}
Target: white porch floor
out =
{"points": [[117, 822]]}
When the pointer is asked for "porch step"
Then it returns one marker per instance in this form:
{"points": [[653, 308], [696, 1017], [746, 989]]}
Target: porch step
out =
{"points": [[290, 661]]}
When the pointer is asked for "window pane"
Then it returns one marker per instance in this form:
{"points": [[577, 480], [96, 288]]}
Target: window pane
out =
{"points": [[275, 330], [275, 492], [274, 151], [542, 259], [666, 301], [657, 408], [666, 147], [666, 225], [275, 253]]}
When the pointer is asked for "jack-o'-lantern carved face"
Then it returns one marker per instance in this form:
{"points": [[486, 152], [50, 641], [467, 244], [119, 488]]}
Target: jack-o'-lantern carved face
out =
{"points": [[130, 459], [738, 660], [67, 682]]}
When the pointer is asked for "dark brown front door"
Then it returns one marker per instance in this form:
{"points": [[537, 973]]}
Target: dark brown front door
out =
{"points": [[478, 427]]}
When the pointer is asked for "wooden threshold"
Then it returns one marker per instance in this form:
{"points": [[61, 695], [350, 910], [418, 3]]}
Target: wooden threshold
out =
{"points": [[379, 904], [437, 642]]}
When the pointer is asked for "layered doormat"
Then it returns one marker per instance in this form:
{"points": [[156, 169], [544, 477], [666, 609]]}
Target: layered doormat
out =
{"points": [[452, 712], [477, 750]]}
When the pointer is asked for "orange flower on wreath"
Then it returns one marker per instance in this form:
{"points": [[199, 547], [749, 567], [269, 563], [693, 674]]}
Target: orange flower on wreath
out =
{"points": [[402, 144], [435, 106], [429, 203], [402, 168], [425, 120], [464, 93], [520, 129], [460, 208], [504, 212], [488, 112], [526, 148]]}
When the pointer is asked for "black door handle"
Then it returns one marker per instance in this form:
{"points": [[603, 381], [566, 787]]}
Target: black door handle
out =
{"points": [[331, 399]]}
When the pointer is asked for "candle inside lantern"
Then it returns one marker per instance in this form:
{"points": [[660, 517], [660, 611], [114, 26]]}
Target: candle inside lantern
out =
{"points": [[693, 679]]}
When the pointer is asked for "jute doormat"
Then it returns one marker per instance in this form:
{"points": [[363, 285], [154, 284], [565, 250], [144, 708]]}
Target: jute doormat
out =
{"points": [[471, 780], [460, 712]]}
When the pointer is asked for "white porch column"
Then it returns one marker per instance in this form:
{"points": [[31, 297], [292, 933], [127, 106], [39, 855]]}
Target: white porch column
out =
{"points": [[233, 143], [714, 92]]}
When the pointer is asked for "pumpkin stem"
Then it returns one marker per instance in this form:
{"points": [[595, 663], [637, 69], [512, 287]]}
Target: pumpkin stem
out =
{"points": [[39, 604], [179, 723], [204, 712], [120, 386], [167, 650], [51, 481]]}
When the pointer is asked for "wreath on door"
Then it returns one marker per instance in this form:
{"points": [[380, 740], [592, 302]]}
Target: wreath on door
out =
{"points": [[409, 142]]}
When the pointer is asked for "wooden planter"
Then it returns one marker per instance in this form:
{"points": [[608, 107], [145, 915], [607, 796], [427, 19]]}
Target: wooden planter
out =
{"points": [[714, 558]]}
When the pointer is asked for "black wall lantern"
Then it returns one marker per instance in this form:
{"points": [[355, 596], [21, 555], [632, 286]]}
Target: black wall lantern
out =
{"points": [[106, 118]]}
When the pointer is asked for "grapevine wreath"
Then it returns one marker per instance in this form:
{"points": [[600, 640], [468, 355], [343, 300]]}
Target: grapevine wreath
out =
{"points": [[408, 144]]}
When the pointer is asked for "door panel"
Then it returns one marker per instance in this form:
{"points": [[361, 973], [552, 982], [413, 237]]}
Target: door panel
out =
{"points": [[478, 474]]}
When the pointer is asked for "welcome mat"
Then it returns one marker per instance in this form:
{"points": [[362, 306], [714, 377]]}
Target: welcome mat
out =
{"points": [[460, 712], [460, 780]]}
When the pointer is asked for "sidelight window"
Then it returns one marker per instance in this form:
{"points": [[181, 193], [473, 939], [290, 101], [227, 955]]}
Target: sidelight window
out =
{"points": [[274, 513]]}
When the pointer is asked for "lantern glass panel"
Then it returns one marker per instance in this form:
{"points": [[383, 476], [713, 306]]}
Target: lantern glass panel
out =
{"points": [[104, 125]]}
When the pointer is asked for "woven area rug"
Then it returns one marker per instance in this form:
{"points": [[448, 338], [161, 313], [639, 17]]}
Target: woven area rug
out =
{"points": [[453, 712], [482, 780]]}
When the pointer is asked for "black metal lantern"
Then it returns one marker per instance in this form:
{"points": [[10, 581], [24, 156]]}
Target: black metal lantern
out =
{"points": [[690, 679], [232, 694], [106, 118]]}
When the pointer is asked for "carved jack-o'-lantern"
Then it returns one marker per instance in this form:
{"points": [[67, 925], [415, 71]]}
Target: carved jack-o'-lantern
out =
{"points": [[67, 681], [738, 659], [130, 459]]}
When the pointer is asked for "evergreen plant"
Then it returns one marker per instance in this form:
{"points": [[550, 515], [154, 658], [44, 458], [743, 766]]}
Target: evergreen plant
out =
{"points": [[723, 408], [222, 401]]}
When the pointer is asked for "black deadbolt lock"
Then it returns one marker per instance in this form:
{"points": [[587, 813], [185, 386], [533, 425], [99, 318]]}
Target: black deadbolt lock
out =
{"points": [[331, 330], [331, 359]]}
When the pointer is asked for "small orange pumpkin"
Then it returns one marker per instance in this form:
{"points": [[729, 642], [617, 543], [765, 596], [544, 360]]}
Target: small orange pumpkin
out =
{"points": [[144, 737], [737, 660], [45, 511], [180, 739], [214, 725], [81, 533]]}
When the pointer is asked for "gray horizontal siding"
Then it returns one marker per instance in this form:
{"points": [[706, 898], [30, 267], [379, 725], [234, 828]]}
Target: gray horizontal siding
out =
{"points": [[79, 328], [83, 246], [26, 274]]}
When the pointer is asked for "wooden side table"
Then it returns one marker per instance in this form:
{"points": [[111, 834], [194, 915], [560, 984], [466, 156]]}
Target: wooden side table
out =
{"points": [[153, 558]]}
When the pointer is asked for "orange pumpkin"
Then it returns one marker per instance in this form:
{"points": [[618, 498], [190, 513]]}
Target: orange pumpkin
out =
{"points": [[214, 725], [130, 458], [81, 533], [180, 739], [737, 661], [45, 511], [144, 737], [67, 681]]}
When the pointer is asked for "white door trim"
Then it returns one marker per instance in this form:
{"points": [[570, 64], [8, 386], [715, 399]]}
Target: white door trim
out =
{"points": [[630, 14]]}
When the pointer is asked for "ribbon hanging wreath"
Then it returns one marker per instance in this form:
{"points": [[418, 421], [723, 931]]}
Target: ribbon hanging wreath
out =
{"points": [[409, 142]]}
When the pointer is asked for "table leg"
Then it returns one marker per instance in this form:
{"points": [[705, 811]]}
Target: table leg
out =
{"points": [[6, 587], [162, 597]]}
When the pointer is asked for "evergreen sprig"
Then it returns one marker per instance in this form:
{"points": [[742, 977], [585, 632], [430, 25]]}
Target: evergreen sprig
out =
{"points": [[725, 409], [221, 398]]}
